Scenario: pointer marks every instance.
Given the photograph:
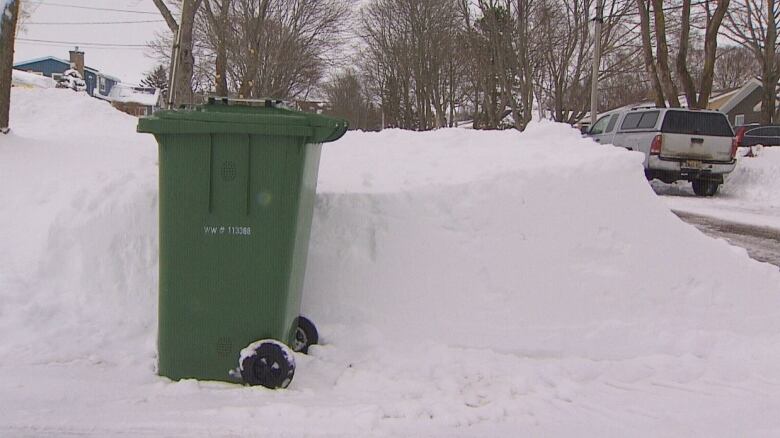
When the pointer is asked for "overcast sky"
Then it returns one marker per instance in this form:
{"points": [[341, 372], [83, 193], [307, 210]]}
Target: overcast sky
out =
{"points": [[126, 63]]}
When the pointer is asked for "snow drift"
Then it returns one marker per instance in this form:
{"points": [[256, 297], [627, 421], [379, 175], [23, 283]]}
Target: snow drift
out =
{"points": [[533, 243], [465, 283], [30, 80]]}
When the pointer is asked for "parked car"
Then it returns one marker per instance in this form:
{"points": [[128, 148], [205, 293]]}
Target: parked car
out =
{"points": [[754, 135], [679, 144]]}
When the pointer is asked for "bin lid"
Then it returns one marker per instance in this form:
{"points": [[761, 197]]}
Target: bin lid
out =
{"points": [[236, 116]]}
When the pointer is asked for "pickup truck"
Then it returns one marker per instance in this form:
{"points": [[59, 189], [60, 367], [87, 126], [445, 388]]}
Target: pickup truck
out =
{"points": [[678, 144]]}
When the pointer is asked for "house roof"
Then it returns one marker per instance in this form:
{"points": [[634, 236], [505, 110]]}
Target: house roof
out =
{"points": [[723, 101], [717, 100], [741, 94], [53, 58], [112, 78]]}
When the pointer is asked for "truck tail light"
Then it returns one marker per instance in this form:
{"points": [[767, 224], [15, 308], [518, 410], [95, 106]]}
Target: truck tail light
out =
{"points": [[657, 145], [736, 142]]}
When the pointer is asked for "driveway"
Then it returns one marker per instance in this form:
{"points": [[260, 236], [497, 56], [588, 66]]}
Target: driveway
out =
{"points": [[761, 243]]}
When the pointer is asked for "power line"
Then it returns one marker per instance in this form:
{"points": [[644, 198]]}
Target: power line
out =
{"points": [[68, 45], [83, 44], [127, 11], [80, 23]]}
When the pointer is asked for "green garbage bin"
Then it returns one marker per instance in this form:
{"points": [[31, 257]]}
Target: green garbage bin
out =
{"points": [[237, 187]]}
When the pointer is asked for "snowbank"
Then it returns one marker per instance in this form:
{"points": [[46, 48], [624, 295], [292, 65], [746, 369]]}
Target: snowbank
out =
{"points": [[30, 80], [751, 193], [465, 284], [554, 243]]}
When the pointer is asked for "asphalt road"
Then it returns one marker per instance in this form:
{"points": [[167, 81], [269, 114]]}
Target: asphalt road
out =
{"points": [[762, 244]]}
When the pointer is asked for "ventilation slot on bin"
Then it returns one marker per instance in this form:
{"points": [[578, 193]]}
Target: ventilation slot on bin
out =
{"points": [[228, 171]]}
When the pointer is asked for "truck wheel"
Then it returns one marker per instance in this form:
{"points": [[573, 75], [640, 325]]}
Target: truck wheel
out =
{"points": [[705, 187], [305, 335], [267, 363]]}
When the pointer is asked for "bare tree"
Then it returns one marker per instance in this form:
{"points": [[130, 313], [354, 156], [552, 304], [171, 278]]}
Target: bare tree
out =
{"points": [[410, 54], [264, 48], [219, 27], [9, 13], [698, 97], [348, 99], [733, 67], [753, 25], [500, 48], [566, 50], [495, 67], [273, 48], [651, 69], [662, 55]]}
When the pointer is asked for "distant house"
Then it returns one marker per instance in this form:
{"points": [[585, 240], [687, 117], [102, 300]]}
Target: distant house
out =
{"points": [[742, 105], [134, 100], [52, 67]]}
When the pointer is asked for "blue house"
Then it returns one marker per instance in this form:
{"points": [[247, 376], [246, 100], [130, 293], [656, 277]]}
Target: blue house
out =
{"points": [[97, 83]]}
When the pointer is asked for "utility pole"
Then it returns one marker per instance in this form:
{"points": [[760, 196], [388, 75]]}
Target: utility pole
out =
{"points": [[594, 79], [172, 88]]}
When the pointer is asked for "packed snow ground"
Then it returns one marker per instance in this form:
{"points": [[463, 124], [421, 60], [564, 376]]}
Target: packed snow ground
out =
{"points": [[750, 194], [465, 284]]}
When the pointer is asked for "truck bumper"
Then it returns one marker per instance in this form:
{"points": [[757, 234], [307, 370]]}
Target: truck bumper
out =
{"points": [[670, 170]]}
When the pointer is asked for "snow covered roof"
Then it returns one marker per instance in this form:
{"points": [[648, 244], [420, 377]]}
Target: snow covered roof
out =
{"points": [[126, 93], [109, 77]]}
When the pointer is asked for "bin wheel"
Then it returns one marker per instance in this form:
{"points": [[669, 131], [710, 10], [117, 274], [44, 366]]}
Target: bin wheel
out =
{"points": [[267, 363], [305, 335]]}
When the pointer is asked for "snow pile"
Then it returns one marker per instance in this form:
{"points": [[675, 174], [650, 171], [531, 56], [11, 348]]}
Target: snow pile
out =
{"points": [[555, 243], [81, 219], [126, 93], [465, 284], [23, 79], [751, 193], [757, 179]]}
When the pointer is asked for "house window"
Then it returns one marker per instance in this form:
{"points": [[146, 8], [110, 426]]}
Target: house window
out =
{"points": [[56, 76], [739, 120]]}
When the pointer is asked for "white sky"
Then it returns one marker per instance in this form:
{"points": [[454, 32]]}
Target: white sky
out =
{"points": [[126, 63]]}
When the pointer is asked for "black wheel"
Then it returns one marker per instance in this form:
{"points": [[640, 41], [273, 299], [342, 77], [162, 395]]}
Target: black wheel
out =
{"points": [[269, 363], [705, 187], [305, 335]]}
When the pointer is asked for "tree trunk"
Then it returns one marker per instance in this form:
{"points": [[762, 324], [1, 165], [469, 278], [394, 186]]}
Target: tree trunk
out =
{"points": [[526, 87], [647, 53], [253, 66], [185, 67], [769, 74], [710, 49], [181, 80], [662, 55], [682, 57], [9, 14], [220, 25]]}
